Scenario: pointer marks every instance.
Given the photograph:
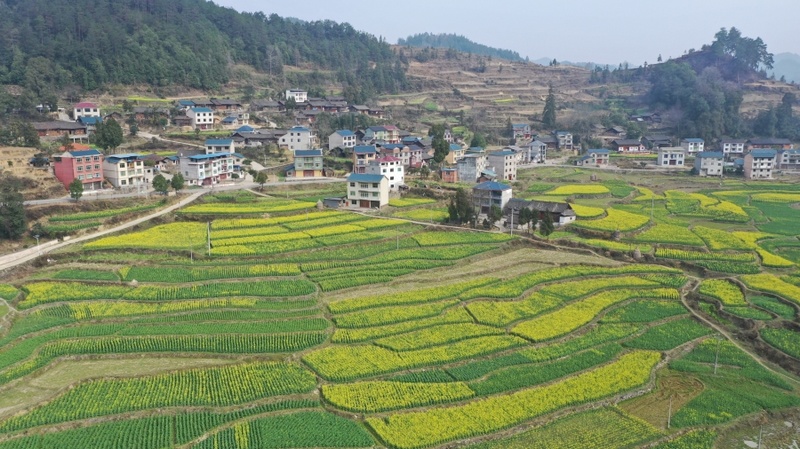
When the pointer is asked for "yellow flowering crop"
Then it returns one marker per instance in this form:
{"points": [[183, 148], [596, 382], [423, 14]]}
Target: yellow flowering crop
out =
{"points": [[616, 220], [380, 396], [772, 284], [579, 189], [587, 211], [724, 290]]}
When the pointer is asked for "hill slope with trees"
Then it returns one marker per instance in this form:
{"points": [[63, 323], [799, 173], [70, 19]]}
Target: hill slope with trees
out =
{"points": [[459, 43]]}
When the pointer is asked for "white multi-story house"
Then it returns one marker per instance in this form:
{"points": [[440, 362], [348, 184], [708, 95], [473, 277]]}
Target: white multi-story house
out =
{"points": [[789, 159], [298, 138], [220, 146], [535, 151], [391, 167], [733, 147], [488, 194], [672, 157], [758, 164], [693, 145], [124, 170], [299, 96], [85, 109], [504, 163], [343, 138], [564, 140], [709, 163], [367, 191], [206, 169], [470, 167], [362, 156], [201, 117]]}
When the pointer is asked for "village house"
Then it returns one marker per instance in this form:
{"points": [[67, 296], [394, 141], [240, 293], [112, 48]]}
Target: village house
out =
{"points": [[709, 163], [362, 156], [449, 175], [390, 167], [85, 109], [488, 194], [610, 134], [765, 143], [693, 145], [671, 157], [456, 152], [536, 151], [206, 169], [385, 134], [298, 138], [226, 105], [57, 129], [560, 213], [758, 164], [522, 131], [307, 164], [343, 138], [656, 141], [564, 140], [201, 117], [299, 96], [267, 106], [220, 146], [504, 163], [471, 167], [367, 191], [598, 157], [789, 160], [81, 162], [732, 147], [628, 146], [124, 170]]}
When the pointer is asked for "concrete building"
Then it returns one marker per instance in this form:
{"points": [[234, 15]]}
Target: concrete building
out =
{"points": [[307, 164], [390, 167], [758, 164], [125, 170], [298, 138], [85, 109], [564, 140], [456, 152], [367, 191], [470, 167], [299, 96], [488, 194], [449, 175], [343, 138], [206, 169], [709, 163], [362, 156], [598, 157], [535, 151], [789, 160], [504, 163], [671, 157], [693, 145], [83, 163], [220, 146], [732, 147], [201, 117]]}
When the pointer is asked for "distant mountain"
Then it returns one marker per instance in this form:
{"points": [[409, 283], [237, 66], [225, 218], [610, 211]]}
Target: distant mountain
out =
{"points": [[787, 65], [459, 43], [583, 65]]}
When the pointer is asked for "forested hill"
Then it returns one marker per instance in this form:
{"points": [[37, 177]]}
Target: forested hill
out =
{"points": [[47, 45], [459, 43]]}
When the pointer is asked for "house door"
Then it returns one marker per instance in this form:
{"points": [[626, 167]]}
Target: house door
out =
{"points": [[364, 204], [308, 173]]}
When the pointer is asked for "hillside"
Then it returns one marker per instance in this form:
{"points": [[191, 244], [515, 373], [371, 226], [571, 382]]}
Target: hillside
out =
{"points": [[459, 43], [787, 65]]}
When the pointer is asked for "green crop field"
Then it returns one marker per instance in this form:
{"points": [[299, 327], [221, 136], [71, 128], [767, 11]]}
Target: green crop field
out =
{"points": [[245, 321]]}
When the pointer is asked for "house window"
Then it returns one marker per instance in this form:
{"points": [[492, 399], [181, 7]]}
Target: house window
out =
{"points": [[122, 165], [80, 177], [97, 175], [97, 166], [352, 193], [374, 185], [80, 168]]}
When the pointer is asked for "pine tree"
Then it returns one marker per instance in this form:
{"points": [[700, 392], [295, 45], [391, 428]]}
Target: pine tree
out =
{"points": [[549, 113]]}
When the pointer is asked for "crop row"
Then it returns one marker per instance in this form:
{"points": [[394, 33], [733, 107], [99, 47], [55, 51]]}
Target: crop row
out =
{"points": [[177, 236], [725, 291], [579, 189], [670, 234], [671, 253], [218, 386], [436, 335], [645, 312], [260, 207], [104, 213], [439, 425], [380, 396], [772, 284], [243, 223], [185, 274], [407, 202], [718, 240], [357, 335], [615, 220], [459, 238], [407, 297], [669, 335], [576, 314]]}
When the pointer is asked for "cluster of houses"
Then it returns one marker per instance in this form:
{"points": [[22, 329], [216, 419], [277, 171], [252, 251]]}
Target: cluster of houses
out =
{"points": [[757, 158]]}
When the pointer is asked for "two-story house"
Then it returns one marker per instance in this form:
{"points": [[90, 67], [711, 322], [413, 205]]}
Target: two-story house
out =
{"points": [[307, 164], [693, 145], [343, 138], [206, 169], [362, 156], [298, 138], [504, 163], [81, 162], [758, 164], [85, 109], [200, 118], [671, 157], [789, 160], [598, 157], [125, 170], [390, 167], [299, 96], [367, 191], [709, 163], [220, 146]]}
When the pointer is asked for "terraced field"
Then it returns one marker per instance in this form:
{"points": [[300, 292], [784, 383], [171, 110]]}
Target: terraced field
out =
{"points": [[330, 329]]}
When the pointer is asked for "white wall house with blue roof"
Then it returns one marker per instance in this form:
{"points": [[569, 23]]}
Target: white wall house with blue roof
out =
{"points": [[693, 145], [504, 163], [488, 194], [709, 163], [307, 164], [758, 164], [125, 170], [343, 138], [220, 146], [367, 191], [207, 169]]}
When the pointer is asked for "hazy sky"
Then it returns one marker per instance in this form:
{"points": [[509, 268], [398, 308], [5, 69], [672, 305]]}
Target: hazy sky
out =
{"points": [[609, 31]]}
